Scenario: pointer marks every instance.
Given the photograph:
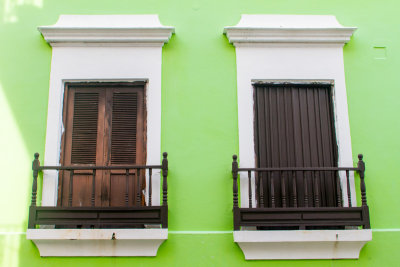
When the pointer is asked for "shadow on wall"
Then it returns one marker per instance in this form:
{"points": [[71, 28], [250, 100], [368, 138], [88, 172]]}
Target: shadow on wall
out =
{"points": [[23, 105], [10, 8]]}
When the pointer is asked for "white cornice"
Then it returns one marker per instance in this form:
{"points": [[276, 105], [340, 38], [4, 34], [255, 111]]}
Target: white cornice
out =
{"points": [[107, 30], [298, 29]]}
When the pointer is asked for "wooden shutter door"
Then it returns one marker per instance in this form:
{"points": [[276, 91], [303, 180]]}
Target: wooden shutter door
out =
{"points": [[126, 128], [82, 143], [294, 127], [104, 126]]}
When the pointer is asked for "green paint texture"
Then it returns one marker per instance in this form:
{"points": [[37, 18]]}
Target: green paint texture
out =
{"points": [[199, 121]]}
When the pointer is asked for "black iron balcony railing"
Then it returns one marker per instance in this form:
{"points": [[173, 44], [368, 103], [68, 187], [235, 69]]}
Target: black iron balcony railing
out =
{"points": [[290, 198], [127, 216]]}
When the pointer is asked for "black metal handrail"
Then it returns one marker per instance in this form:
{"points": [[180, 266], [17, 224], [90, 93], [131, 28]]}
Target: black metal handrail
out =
{"points": [[286, 179]]}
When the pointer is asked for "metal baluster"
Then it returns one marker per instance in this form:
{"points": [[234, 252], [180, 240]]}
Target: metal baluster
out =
{"points": [[283, 188], [235, 184], [272, 191], [348, 188], [316, 189], [250, 191], [127, 187], [294, 189], [165, 175], [139, 190], [361, 171], [261, 190], [150, 185], [71, 181], [338, 190], [35, 168], [93, 187]]}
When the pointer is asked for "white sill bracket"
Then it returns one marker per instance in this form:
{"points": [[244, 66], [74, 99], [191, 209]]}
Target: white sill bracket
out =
{"points": [[97, 242], [302, 244]]}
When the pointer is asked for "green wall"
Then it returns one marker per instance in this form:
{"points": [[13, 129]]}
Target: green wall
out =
{"points": [[199, 121]]}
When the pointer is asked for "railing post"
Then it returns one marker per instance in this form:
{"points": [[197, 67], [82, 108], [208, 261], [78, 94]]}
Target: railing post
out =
{"points": [[294, 189], [150, 186], [261, 190], [250, 191], [35, 169], [361, 171], [272, 188], [71, 187], [93, 187], [283, 188], [338, 189], [139, 189], [305, 189], [165, 174], [348, 188], [316, 189], [127, 187], [235, 168]]}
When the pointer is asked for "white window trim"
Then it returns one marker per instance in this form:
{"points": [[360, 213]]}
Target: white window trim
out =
{"points": [[95, 48], [289, 48]]}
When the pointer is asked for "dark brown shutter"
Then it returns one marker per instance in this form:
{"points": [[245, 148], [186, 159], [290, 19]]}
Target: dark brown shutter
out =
{"points": [[294, 127], [124, 128], [84, 131]]}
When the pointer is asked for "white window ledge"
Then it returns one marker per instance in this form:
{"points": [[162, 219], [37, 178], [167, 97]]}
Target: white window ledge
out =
{"points": [[302, 244], [97, 242]]}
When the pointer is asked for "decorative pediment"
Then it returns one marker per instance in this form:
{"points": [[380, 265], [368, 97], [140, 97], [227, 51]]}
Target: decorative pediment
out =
{"points": [[259, 29], [107, 30]]}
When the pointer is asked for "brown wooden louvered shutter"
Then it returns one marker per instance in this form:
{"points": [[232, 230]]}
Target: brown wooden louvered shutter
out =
{"points": [[104, 125], [123, 133], [294, 127], [84, 127], [127, 128]]}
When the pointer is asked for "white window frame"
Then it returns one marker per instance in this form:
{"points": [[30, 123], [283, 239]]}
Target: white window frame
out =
{"points": [[97, 48], [297, 49]]}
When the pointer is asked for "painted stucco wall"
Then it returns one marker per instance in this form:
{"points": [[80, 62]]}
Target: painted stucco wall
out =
{"points": [[199, 121]]}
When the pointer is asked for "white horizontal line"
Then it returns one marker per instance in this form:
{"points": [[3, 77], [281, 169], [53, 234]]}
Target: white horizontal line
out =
{"points": [[200, 232], [386, 230], [12, 233], [207, 232]]}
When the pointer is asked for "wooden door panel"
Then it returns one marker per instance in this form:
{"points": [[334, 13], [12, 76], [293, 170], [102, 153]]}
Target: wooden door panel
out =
{"points": [[124, 129], [82, 190], [294, 127], [104, 126]]}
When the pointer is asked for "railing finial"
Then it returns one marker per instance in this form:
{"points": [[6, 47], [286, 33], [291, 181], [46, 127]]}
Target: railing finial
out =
{"points": [[361, 172], [165, 174], [235, 168], [35, 169]]}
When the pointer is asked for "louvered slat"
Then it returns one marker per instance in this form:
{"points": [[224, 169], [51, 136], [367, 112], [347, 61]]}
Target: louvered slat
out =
{"points": [[84, 131], [124, 127]]}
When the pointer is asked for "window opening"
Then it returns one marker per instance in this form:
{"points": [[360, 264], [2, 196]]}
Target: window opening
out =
{"points": [[294, 127], [104, 126]]}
